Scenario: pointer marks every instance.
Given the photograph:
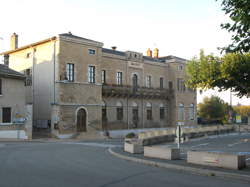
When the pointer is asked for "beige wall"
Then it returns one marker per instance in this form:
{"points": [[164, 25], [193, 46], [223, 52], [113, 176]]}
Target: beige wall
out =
{"points": [[186, 97], [42, 57], [13, 96]]}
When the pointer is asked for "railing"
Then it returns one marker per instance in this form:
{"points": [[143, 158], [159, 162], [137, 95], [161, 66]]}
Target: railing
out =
{"points": [[135, 92]]}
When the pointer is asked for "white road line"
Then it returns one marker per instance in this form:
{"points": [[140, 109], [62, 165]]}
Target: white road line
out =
{"points": [[199, 145], [231, 145]]}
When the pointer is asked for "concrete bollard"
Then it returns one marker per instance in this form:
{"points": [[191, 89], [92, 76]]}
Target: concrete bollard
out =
{"points": [[217, 159], [162, 152], [133, 148]]}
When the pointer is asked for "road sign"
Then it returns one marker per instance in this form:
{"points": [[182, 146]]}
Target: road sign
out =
{"points": [[238, 118]]}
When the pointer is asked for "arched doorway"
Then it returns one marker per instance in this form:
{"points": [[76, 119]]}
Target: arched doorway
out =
{"points": [[81, 120]]}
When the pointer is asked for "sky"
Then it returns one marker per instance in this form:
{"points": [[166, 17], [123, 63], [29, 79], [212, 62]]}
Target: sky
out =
{"points": [[176, 27]]}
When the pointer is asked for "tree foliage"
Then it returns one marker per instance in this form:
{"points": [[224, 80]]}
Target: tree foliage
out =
{"points": [[232, 71], [213, 108], [239, 14], [242, 110]]}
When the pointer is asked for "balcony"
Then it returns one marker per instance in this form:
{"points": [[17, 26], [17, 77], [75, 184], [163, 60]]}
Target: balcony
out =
{"points": [[126, 91]]}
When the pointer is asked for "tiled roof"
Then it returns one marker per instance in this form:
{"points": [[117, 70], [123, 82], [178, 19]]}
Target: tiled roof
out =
{"points": [[152, 59], [5, 71], [170, 57], [115, 52], [76, 37]]}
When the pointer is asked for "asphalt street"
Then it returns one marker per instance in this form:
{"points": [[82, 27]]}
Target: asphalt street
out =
{"points": [[86, 164], [231, 143]]}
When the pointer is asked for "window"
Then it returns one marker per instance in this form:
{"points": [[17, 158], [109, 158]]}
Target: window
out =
{"points": [[162, 112], [91, 74], [103, 76], [148, 81], [161, 82], [170, 85], [181, 112], [180, 85], [70, 72], [191, 112], [149, 111], [119, 78], [6, 115], [135, 82], [91, 51], [119, 111], [135, 114], [180, 67], [1, 92], [28, 55], [28, 80]]}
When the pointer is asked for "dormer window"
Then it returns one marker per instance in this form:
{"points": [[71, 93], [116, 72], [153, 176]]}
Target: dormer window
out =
{"points": [[91, 52]]}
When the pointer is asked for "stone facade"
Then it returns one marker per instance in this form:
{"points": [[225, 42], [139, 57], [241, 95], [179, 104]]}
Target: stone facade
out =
{"points": [[79, 86]]}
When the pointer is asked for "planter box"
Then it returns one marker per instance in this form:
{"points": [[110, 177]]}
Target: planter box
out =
{"points": [[133, 148], [162, 153], [217, 159]]}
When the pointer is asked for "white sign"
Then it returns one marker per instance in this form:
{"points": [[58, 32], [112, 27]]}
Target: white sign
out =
{"points": [[135, 65]]}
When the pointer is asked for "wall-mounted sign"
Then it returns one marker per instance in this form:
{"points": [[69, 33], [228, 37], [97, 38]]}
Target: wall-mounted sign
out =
{"points": [[135, 65]]}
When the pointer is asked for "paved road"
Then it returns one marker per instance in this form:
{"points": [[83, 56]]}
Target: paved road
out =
{"points": [[233, 143], [86, 164]]}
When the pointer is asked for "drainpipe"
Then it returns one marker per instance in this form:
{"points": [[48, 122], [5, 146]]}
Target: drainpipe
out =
{"points": [[33, 83], [54, 76]]}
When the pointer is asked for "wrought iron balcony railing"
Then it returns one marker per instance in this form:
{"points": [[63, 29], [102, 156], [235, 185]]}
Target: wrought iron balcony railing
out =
{"points": [[135, 92]]}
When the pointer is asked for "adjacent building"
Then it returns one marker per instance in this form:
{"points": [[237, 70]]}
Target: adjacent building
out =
{"points": [[12, 95], [77, 85]]}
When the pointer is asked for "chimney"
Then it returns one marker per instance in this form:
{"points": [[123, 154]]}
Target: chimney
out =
{"points": [[156, 53], [114, 48], [14, 41], [149, 52]]}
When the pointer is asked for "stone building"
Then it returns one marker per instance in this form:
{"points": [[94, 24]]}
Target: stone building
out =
{"points": [[79, 86], [12, 95]]}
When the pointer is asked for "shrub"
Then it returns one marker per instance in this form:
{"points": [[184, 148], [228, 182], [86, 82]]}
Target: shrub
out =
{"points": [[130, 135]]}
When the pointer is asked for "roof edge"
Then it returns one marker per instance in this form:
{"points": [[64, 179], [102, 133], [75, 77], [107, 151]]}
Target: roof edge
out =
{"points": [[28, 46]]}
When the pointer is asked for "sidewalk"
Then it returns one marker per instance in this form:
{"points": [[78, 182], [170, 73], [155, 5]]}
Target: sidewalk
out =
{"points": [[182, 165]]}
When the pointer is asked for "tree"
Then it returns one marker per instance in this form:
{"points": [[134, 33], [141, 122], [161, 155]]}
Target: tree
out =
{"points": [[239, 13], [232, 71], [242, 110], [213, 108]]}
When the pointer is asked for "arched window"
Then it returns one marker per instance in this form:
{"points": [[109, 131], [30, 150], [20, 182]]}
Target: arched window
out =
{"points": [[119, 111], [149, 111], [191, 111], [181, 112], [135, 81]]}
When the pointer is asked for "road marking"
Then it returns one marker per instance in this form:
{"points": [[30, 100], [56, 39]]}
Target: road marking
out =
{"points": [[231, 145], [199, 145]]}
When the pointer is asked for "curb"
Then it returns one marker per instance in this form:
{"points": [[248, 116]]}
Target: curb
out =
{"points": [[200, 171]]}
